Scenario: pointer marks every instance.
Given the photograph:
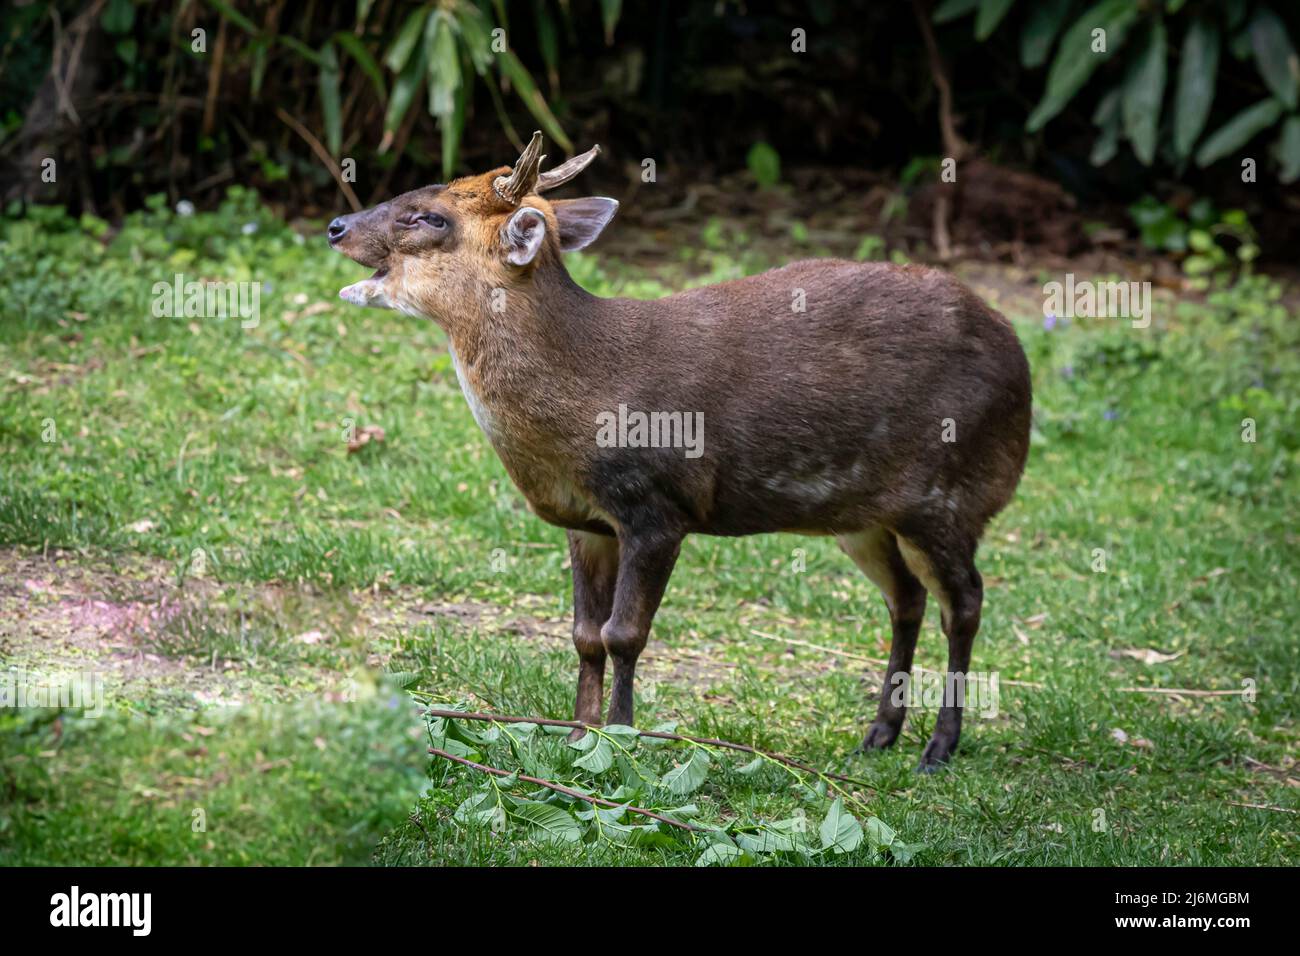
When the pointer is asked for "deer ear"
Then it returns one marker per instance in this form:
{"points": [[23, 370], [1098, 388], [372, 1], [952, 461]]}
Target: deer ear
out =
{"points": [[522, 235], [582, 220]]}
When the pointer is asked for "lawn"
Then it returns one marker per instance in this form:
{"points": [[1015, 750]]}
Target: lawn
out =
{"points": [[272, 543]]}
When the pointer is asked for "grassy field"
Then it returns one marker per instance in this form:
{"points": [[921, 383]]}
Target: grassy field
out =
{"points": [[182, 515]]}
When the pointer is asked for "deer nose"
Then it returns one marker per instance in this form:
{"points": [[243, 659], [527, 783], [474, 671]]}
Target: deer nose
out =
{"points": [[337, 229]]}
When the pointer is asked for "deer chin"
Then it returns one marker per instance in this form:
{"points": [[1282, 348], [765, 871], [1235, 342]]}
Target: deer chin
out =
{"points": [[369, 292]]}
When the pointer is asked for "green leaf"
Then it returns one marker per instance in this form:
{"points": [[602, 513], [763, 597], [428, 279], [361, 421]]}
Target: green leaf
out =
{"points": [[452, 128], [1144, 90], [329, 99], [1196, 74], [403, 95], [689, 776], [553, 823], [599, 758], [903, 852], [1238, 131], [1075, 61], [1106, 144], [474, 803], [1275, 56], [953, 10], [622, 732], [989, 16], [302, 49], [555, 731], [880, 833], [611, 814], [443, 65], [1287, 150], [453, 746], [234, 16], [719, 854], [474, 37], [258, 47], [1045, 21], [635, 776], [354, 48], [753, 767], [610, 11], [769, 841], [764, 164], [399, 54], [548, 43], [840, 832], [510, 65], [118, 16]]}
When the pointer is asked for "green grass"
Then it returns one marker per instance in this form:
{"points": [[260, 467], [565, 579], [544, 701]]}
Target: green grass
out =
{"points": [[216, 456]]}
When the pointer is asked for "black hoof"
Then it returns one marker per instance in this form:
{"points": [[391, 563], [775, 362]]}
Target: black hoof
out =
{"points": [[936, 755], [879, 736]]}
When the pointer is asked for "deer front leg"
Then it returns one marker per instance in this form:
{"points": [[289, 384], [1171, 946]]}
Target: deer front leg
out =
{"points": [[645, 564], [595, 569]]}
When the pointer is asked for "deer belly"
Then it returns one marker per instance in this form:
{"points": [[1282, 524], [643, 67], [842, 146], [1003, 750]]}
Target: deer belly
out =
{"points": [[558, 501]]}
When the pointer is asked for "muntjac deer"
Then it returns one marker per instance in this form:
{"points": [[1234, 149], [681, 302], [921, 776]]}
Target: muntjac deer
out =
{"points": [[884, 405]]}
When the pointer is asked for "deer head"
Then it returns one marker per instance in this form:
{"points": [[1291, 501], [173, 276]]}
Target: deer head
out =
{"points": [[439, 250]]}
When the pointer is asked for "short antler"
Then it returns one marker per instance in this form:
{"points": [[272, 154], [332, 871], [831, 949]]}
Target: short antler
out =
{"points": [[565, 171], [523, 177]]}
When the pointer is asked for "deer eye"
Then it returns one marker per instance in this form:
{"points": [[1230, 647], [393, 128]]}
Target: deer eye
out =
{"points": [[431, 219]]}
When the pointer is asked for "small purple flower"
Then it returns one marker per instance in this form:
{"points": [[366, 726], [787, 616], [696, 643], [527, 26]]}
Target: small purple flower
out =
{"points": [[1067, 371], [1049, 321], [1110, 414]]}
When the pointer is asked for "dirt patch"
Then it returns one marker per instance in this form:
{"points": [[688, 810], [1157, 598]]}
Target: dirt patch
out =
{"points": [[154, 639]]}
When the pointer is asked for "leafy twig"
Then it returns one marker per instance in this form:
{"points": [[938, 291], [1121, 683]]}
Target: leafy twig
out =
{"points": [[560, 788], [657, 734]]}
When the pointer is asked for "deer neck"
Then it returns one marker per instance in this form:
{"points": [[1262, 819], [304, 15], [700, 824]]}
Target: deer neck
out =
{"points": [[531, 365]]}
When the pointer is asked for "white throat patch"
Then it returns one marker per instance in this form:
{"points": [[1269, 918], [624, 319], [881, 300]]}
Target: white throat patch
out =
{"points": [[476, 406]]}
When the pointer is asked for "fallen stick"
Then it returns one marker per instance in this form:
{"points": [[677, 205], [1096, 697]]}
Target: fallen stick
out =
{"points": [[871, 660], [560, 788], [1181, 691], [1170, 691], [657, 734], [1263, 806]]}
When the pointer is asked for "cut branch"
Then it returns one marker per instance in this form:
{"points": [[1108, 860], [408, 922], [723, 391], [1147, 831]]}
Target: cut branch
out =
{"points": [[657, 734], [560, 788]]}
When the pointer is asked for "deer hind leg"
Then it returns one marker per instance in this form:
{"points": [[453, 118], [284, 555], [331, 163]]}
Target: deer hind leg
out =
{"points": [[945, 564], [595, 570], [875, 551]]}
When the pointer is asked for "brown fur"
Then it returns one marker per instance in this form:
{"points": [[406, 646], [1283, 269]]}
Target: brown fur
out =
{"points": [[826, 421]]}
